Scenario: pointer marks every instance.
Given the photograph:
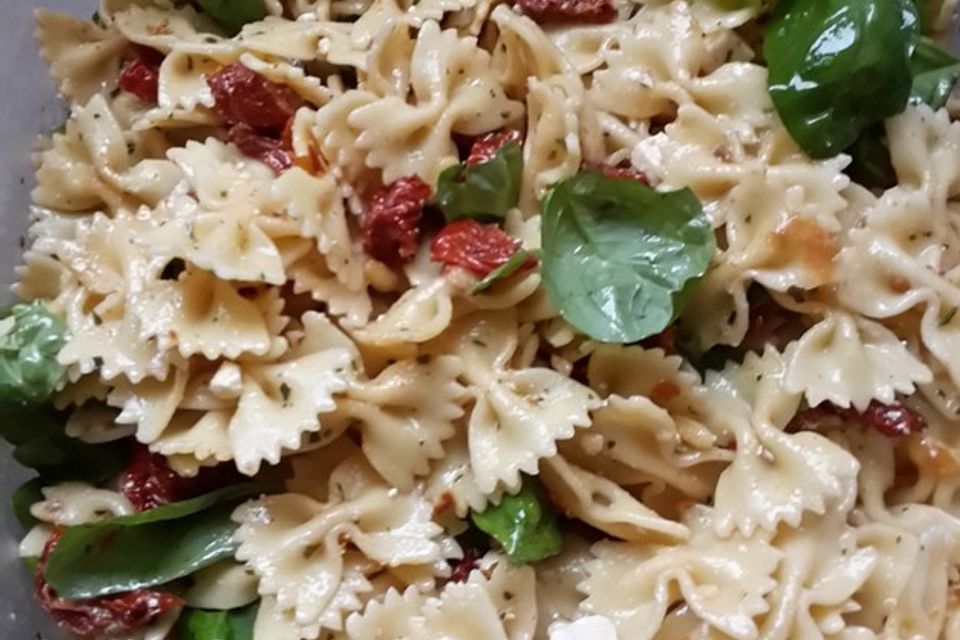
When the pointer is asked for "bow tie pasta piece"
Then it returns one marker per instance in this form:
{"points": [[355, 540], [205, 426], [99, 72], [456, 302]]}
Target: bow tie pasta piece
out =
{"points": [[722, 581], [519, 414], [759, 382], [633, 441], [421, 314], [294, 542], [849, 362], [452, 484], [603, 504], [201, 314], [405, 414], [71, 504], [311, 274], [553, 151], [90, 165], [161, 28], [824, 566], [83, 57], [455, 91], [495, 603], [777, 477]]}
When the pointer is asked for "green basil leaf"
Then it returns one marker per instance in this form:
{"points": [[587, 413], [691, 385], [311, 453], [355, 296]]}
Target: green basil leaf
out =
{"points": [[619, 258], [524, 524], [40, 443], [870, 163], [26, 495], [30, 338], [838, 66], [482, 191], [146, 549], [233, 14], [199, 624], [505, 270], [935, 73]]}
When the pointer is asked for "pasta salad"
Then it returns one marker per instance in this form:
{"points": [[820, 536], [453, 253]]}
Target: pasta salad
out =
{"points": [[488, 320]]}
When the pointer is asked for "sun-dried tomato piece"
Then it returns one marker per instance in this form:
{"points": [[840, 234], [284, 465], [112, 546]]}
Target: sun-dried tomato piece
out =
{"points": [[391, 227], [569, 11], [104, 617], [893, 420], [148, 481], [243, 96], [269, 151], [141, 77], [464, 566], [666, 340], [478, 248], [618, 172], [487, 145]]}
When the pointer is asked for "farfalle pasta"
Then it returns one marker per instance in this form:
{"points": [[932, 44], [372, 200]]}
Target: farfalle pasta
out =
{"points": [[483, 320]]}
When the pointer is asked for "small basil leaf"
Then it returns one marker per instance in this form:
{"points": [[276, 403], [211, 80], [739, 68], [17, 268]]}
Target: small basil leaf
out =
{"points": [[838, 66], [524, 524], [40, 443], [870, 163], [199, 624], [482, 191], [619, 258], [147, 549], [935, 73], [233, 14], [30, 338], [26, 495], [505, 270]]}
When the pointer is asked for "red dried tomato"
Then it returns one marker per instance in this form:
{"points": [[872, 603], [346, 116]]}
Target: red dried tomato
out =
{"points": [[464, 566], [666, 340], [391, 227], [267, 150], [616, 172], [579, 11], [487, 145], [476, 247], [141, 77], [107, 616], [893, 420], [243, 96], [148, 481]]}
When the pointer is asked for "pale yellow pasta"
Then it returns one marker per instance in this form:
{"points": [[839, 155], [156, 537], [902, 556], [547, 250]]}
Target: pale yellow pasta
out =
{"points": [[225, 303]]}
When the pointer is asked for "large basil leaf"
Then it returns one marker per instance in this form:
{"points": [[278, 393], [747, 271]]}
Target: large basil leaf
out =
{"points": [[233, 14], [25, 497], [40, 443], [482, 191], [935, 73], [199, 624], [30, 338], [838, 66], [147, 549], [524, 524], [617, 256]]}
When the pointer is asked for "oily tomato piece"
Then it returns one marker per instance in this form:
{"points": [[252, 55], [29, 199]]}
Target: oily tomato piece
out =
{"points": [[243, 96], [141, 77], [618, 172], [105, 617], [148, 481], [569, 11], [487, 145], [476, 247], [463, 567], [391, 226], [893, 420], [270, 151]]}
